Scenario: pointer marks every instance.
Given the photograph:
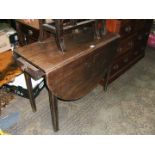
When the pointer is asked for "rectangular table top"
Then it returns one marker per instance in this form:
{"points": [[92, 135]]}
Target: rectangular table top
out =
{"points": [[46, 56]]}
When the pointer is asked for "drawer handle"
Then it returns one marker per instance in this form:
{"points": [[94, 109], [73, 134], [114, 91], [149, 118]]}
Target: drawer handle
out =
{"points": [[116, 67], [128, 29], [126, 60]]}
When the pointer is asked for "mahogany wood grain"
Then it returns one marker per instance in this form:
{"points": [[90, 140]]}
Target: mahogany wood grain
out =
{"points": [[69, 75], [77, 78], [131, 47], [73, 74], [47, 57]]}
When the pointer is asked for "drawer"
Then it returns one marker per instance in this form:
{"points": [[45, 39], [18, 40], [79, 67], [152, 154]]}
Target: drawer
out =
{"points": [[125, 45], [141, 38], [120, 63], [25, 66], [137, 53]]}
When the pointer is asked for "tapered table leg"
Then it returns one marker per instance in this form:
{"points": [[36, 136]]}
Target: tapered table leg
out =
{"points": [[107, 79], [54, 110], [0, 109], [30, 91]]}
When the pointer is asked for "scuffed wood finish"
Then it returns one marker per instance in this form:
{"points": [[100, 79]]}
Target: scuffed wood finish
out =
{"points": [[48, 58], [73, 74], [131, 47], [78, 77]]}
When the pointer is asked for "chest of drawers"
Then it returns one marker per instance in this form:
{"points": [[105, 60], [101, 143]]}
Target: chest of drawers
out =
{"points": [[131, 48]]}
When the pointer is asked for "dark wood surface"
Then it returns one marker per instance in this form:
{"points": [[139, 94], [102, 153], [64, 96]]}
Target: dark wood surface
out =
{"points": [[28, 32], [77, 78], [72, 74], [47, 57]]}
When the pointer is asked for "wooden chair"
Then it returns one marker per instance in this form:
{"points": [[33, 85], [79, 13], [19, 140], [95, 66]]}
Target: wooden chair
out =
{"points": [[59, 27]]}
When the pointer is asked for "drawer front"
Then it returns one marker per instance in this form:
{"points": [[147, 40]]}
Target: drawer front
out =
{"points": [[141, 38], [138, 51], [127, 28], [120, 63], [126, 45], [25, 66]]}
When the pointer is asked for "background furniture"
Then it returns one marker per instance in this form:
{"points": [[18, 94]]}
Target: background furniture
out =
{"points": [[8, 70], [59, 27], [69, 75], [132, 44], [28, 32], [131, 48]]}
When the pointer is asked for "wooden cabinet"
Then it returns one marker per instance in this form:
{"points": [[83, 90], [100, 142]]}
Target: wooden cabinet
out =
{"points": [[131, 48], [28, 32]]}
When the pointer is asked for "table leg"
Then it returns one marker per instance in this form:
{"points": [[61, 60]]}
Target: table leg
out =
{"points": [[30, 91], [107, 78], [54, 110], [0, 108]]}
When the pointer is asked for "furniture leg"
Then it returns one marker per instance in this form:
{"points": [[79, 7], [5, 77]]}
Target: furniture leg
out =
{"points": [[59, 35], [0, 108], [30, 91], [41, 31], [54, 110], [107, 78], [20, 34]]}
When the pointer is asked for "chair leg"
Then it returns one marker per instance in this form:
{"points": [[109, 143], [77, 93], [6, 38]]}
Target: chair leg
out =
{"points": [[59, 36], [30, 91], [107, 78], [41, 31], [54, 110]]}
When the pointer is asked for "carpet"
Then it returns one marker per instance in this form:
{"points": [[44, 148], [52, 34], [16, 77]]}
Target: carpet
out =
{"points": [[128, 107]]}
